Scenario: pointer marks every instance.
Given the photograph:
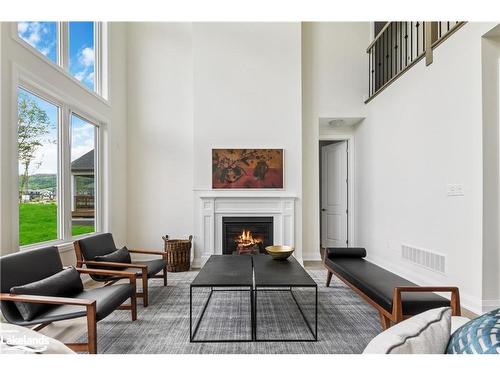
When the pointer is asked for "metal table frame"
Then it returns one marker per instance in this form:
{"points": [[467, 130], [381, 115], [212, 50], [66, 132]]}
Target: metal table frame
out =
{"points": [[192, 332], [272, 288], [253, 290]]}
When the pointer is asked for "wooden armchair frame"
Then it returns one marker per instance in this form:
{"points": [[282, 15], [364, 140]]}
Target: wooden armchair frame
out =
{"points": [[90, 305], [144, 268]]}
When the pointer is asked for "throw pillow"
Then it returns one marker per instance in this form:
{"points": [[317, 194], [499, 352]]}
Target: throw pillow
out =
{"points": [[62, 284], [425, 333], [119, 256], [479, 336]]}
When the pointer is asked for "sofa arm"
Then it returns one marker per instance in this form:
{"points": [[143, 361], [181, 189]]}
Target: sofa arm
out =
{"points": [[114, 264], [130, 275], [30, 298]]}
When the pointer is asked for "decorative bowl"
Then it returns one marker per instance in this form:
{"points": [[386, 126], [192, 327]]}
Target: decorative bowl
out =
{"points": [[279, 252]]}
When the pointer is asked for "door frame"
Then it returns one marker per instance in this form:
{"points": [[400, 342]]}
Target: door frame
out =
{"points": [[351, 181]]}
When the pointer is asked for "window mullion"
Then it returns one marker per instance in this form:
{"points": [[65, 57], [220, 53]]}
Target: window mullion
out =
{"points": [[65, 175], [64, 45]]}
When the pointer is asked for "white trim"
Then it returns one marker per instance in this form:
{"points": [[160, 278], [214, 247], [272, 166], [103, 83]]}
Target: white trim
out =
{"points": [[60, 244], [53, 94], [490, 304], [62, 59], [212, 209]]}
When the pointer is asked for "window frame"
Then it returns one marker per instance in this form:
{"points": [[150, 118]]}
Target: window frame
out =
{"points": [[97, 175], [67, 107], [62, 64]]}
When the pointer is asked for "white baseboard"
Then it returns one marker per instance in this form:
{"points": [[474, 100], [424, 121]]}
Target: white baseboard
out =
{"points": [[316, 256], [490, 304], [198, 262]]}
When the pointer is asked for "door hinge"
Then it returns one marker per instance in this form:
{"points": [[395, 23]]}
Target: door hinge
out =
{"points": [[346, 211], [347, 242]]}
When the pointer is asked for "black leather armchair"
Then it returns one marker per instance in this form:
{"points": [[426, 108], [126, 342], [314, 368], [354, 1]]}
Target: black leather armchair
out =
{"points": [[87, 249], [28, 267]]}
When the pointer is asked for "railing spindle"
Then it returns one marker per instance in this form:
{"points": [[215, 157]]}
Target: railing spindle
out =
{"points": [[396, 41]]}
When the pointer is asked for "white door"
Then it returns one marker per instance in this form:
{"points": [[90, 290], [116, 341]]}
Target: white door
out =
{"points": [[334, 195]]}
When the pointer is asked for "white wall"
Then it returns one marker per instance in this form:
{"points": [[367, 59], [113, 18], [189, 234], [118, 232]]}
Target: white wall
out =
{"points": [[160, 133], [247, 93], [422, 133], [491, 167], [14, 54], [334, 86]]}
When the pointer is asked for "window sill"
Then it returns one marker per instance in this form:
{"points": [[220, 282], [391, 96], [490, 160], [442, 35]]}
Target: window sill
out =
{"points": [[64, 246]]}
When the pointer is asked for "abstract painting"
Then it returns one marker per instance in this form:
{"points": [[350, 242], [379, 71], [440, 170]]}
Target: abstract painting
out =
{"points": [[247, 168]]}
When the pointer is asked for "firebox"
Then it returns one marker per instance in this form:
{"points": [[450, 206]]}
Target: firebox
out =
{"points": [[246, 235]]}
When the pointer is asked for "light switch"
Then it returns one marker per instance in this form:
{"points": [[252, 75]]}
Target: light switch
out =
{"points": [[454, 190]]}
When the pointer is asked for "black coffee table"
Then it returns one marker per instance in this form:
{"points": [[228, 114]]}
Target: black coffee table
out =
{"points": [[252, 274], [283, 275], [222, 272]]}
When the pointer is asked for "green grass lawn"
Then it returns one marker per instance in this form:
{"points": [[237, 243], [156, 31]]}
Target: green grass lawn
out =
{"points": [[38, 223]]}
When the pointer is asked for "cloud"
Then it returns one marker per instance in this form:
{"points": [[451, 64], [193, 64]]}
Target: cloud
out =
{"points": [[45, 50], [80, 75], [22, 27], [38, 35], [86, 57]]}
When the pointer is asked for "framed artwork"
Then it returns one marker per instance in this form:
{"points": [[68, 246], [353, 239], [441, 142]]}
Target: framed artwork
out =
{"points": [[247, 168]]}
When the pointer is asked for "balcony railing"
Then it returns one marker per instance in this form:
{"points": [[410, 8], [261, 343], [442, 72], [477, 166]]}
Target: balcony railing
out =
{"points": [[399, 46]]}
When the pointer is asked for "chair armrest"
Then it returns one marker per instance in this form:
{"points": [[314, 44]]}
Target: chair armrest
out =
{"points": [[142, 251], [114, 264], [46, 299], [398, 305], [131, 275]]}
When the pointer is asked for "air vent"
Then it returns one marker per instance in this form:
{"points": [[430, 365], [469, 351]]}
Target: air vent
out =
{"points": [[424, 258]]}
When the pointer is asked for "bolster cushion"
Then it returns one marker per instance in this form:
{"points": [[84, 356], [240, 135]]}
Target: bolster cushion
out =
{"points": [[345, 252], [119, 256], [62, 284]]}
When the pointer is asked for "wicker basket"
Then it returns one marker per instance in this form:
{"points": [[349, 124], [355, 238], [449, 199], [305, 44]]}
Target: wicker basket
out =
{"points": [[178, 254]]}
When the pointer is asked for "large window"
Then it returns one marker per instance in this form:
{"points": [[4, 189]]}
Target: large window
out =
{"points": [[74, 46], [58, 170], [38, 124]]}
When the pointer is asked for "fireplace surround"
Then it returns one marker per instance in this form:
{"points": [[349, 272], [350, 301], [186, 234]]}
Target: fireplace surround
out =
{"points": [[214, 205]]}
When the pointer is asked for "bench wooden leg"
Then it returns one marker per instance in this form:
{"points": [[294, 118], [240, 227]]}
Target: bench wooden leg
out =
{"points": [[384, 321], [328, 278]]}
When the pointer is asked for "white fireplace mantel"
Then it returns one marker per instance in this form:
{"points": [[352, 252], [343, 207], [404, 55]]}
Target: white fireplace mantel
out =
{"points": [[214, 205]]}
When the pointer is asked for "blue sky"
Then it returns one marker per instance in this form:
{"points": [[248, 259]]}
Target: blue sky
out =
{"points": [[81, 52], [43, 37], [82, 138]]}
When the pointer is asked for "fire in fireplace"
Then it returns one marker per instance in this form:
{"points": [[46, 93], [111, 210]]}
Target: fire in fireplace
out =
{"points": [[246, 235], [247, 244]]}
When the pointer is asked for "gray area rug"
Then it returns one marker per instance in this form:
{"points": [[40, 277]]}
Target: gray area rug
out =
{"points": [[345, 322]]}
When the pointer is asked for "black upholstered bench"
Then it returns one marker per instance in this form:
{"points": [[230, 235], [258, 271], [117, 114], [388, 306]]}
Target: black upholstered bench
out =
{"points": [[394, 297]]}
